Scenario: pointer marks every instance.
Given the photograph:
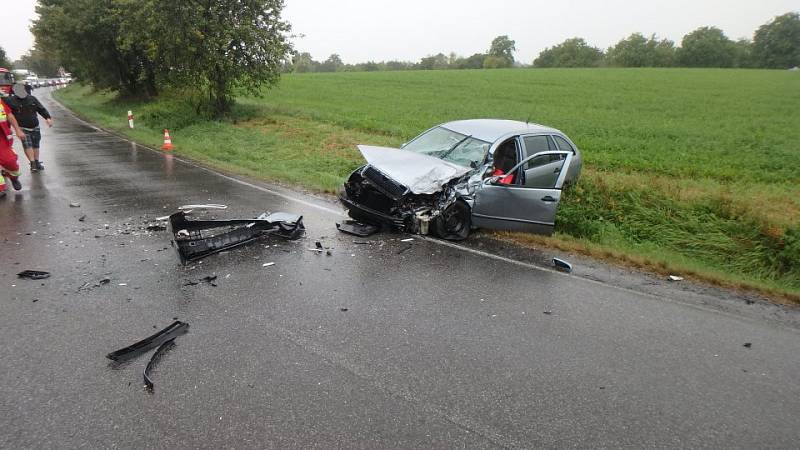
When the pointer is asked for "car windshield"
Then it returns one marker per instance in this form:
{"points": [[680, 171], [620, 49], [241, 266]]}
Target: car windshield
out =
{"points": [[450, 146]]}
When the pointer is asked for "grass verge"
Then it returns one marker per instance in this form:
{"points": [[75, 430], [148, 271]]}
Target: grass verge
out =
{"points": [[651, 195]]}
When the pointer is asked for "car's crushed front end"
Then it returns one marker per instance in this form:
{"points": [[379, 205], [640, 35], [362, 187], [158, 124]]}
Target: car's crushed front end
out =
{"points": [[402, 190]]}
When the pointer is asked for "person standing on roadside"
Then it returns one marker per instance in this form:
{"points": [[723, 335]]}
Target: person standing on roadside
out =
{"points": [[8, 159], [26, 108]]}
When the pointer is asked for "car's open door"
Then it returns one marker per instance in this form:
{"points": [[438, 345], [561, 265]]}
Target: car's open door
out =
{"points": [[528, 205]]}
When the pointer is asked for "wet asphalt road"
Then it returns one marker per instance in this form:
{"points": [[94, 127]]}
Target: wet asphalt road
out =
{"points": [[438, 347]]}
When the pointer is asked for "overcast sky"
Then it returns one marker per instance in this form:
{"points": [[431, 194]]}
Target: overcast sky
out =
{"points": [[362, 30]]}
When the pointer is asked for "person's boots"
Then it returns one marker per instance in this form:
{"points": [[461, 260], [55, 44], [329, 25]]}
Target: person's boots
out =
{"points": [[39, 165], [15, 182], [34, 166]]}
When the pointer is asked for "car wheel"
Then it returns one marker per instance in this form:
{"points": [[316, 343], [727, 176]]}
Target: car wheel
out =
{"points": [[454, 223]]}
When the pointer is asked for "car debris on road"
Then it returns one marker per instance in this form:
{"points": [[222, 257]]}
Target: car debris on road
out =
{"points": [[163, 341], [33, 274], [562, 265], [136, 349], [196, 239]]}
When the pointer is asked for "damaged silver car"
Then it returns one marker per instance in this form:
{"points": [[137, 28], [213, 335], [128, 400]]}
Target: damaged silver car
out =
{"points": [[467, 174]]}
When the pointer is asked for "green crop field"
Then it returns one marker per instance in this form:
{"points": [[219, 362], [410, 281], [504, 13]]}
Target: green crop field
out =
{"points": [[695, 171]]}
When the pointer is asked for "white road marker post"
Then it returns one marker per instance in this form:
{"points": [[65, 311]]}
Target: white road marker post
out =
{"points": [[130, 119]]}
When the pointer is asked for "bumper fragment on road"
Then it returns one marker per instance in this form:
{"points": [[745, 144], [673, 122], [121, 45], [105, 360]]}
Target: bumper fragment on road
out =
{"points": [[171, 332], [196, 239]]}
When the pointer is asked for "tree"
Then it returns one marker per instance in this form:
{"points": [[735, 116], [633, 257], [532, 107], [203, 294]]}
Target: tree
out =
{"points": [[41, 62], [777, 44], [638, 51], [573, 52], [502, 48], [4, 62], [217, 45], [435, 62], [85, 36], [332, 64], [303, 63], [707, 47], [473, 62], [743, 55]]}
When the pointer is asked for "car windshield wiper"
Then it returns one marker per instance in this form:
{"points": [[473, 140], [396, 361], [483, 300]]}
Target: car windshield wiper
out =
{"points": [[450, 150]]}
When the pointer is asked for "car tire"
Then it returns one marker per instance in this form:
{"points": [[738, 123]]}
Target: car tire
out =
{"points": [[455, 222]]}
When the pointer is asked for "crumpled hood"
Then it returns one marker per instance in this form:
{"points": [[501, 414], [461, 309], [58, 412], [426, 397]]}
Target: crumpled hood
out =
{"points": [[421, 174]]}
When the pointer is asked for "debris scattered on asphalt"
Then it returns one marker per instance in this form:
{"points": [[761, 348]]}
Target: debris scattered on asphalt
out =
{"points": [[196, 239], [407, 240], [174, 330], [34, 274], [318, 244], [343, 309], [318, 250], [211, 279], [74, 205], [103, 281], [156, 226], [328, 252], [357, 228], [268, 264], [548, 313], [562, 265], [191, 283], [82, 218], [675, 278], [404, 249], [748, 344], [157, 355]]}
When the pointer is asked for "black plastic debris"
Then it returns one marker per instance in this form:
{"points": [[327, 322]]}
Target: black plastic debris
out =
{"points": [[196, 239], [318, 244], [176, 329], [82, 218], [562, 265], [404, 249], [748, 344], [34, 274], [157, 355], [156, 226], [357, 228]]}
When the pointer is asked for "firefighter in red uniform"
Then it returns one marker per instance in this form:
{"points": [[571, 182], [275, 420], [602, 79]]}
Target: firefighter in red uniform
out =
{"points": [[8, 159]]}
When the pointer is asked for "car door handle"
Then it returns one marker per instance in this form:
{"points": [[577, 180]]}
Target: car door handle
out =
{"points": [[548, 199]]}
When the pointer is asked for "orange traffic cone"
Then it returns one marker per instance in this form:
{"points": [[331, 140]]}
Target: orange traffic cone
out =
{"points": [[167, 141]]}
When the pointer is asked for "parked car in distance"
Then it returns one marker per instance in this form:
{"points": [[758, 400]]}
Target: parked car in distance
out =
{"points": [[482, 173]]}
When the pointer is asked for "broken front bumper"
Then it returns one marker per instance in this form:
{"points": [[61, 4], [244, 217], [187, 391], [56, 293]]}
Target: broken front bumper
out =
{"points": [[412, 222], [197, 239]]}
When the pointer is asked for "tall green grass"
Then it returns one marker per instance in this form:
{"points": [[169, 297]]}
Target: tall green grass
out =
{"points": [[701, 167]]}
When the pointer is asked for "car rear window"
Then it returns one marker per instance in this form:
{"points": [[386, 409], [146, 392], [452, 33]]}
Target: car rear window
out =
{"points": [[563, 144]]}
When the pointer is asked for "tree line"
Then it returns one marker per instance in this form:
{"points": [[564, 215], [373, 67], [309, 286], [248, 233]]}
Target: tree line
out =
{"points": [[775, 45], [139, 47]]}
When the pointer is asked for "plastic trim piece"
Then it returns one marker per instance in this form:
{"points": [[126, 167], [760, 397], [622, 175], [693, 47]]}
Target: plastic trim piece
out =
{"points": [[196, 239], [169, 333]]}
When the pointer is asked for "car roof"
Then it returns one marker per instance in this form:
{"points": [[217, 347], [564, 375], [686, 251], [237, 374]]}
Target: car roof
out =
{"points": [[490, 130]]}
